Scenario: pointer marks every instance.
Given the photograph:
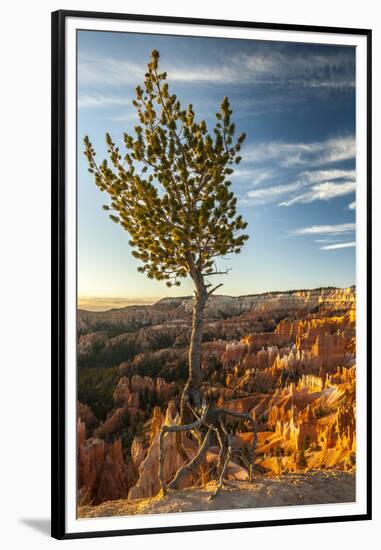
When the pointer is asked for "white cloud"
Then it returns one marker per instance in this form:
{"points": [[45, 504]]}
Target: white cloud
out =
{"points": [[256, 175], [352, 205], [323, 187], [323, 192], [308, 69], [114, 72], [108, 71], [324, 229], [338, 245], [302, 154], [269, 192], [329, 240], [262, 67], [101, 100], [316, 176]]}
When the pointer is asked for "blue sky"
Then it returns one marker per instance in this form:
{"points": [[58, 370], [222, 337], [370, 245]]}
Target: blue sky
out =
{"points": [[295, 184]]}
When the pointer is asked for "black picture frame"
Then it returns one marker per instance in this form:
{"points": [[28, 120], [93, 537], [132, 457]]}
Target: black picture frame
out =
{"points": [[59, 244]]}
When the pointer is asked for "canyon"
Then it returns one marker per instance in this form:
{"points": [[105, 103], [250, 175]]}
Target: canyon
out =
{"points": [[286, 358]]}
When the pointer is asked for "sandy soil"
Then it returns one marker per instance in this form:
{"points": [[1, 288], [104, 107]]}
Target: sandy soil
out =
{"points": [[287, 490]]}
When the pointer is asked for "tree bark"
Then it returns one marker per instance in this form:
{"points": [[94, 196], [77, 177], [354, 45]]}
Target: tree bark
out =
{"points": [[194, 464], [195, 373], [192, 387]]}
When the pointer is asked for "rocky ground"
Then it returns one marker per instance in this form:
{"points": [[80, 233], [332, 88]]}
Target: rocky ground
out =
{"points": [[292, 489]]}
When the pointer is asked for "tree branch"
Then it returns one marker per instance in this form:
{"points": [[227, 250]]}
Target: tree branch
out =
{"points": [[225, 272], [215, 288]]}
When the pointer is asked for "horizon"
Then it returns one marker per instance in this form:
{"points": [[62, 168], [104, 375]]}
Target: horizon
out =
{"points": [[108, 303], [295, 185]]}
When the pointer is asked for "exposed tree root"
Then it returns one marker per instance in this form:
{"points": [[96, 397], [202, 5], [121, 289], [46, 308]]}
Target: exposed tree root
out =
{"points": [[224, 467], [208, 421]]}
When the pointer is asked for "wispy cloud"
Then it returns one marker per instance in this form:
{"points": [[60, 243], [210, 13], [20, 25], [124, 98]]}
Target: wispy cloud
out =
{"points": [[324, 229], [282, 67], [323, 192], [328, 240], [302, 154], [256, 176], [305, 185], [331, 236], [316, 176], [308, 69], [116, 72], [93, 69], [266, 194], [101, 100], [338, 246]]}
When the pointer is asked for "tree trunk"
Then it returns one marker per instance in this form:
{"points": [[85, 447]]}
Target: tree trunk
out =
{"points": [[195, 374], [192, 387]]}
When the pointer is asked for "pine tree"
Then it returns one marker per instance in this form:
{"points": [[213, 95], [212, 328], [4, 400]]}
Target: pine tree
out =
{"points": [[171, 192]]}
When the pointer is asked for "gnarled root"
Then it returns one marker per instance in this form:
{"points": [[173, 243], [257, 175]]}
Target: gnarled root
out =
{"points": [[249, 418], [226, 455], [176, 429], [212, 419], [193, 465]]}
